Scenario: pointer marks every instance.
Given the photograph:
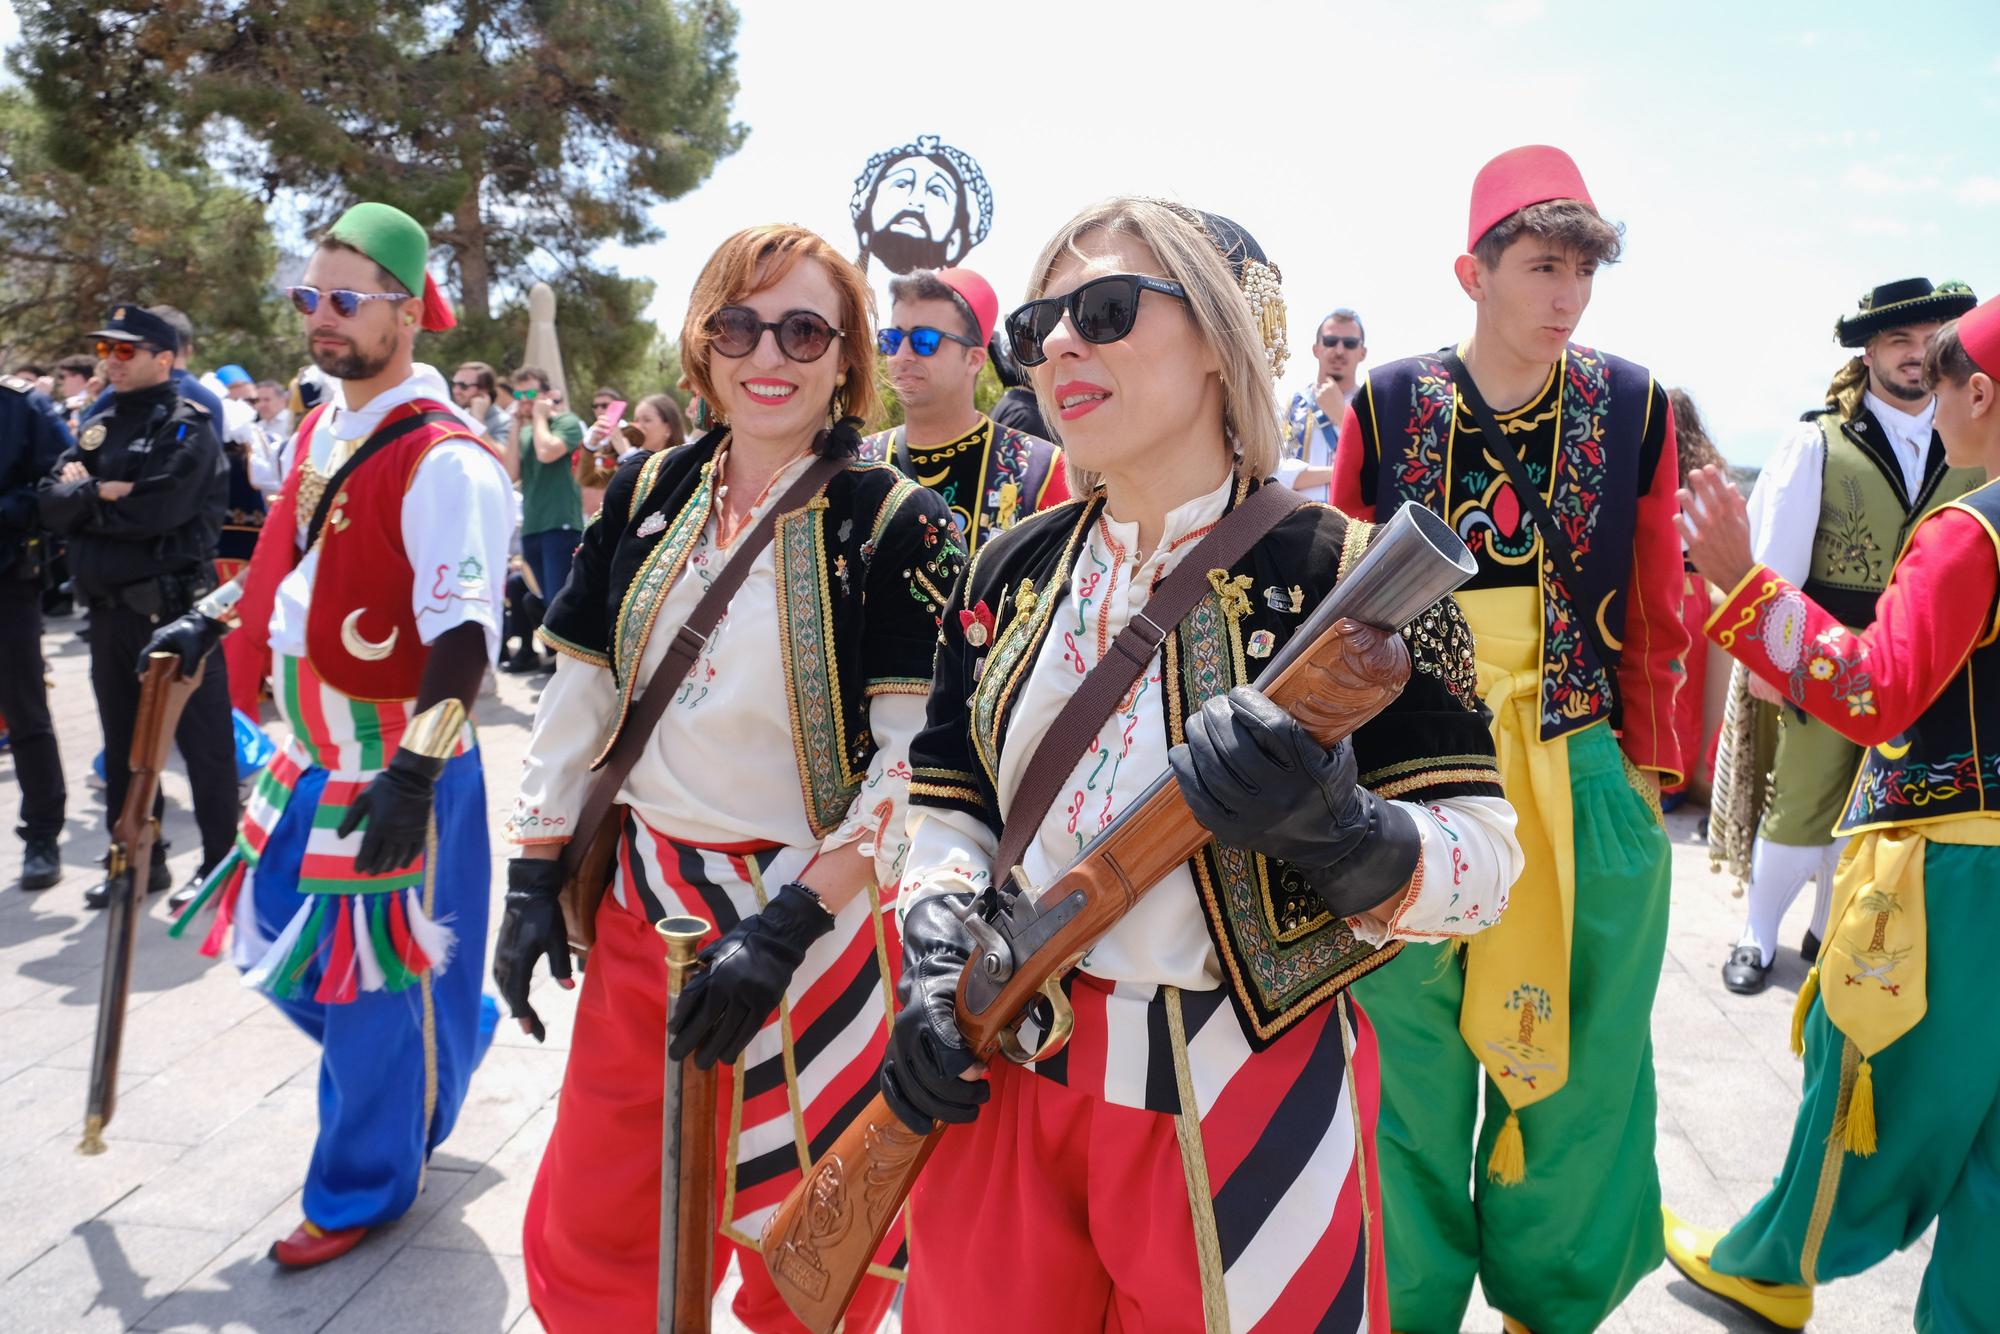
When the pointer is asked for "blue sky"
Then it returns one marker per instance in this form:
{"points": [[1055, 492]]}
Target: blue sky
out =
{"points": [[1770, 161]]}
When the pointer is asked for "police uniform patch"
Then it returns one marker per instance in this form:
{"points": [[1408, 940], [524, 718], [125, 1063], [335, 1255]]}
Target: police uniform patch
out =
{"points": [[92, 437]]}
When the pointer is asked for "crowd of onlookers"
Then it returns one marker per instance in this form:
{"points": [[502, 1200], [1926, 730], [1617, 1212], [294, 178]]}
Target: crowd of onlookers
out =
{"points": [[560, 458]]}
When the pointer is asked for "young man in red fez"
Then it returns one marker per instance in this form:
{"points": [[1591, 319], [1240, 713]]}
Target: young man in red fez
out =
{"points": [[1899, 1126], [1565, 494], [992, 476], [361, 870]]}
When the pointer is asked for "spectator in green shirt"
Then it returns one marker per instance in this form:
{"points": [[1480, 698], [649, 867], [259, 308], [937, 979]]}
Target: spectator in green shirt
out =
{"points": [[551, 501]]}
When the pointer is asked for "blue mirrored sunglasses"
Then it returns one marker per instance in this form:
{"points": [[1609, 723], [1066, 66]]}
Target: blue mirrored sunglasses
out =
{"points": [[347, 303], [924, 340]]}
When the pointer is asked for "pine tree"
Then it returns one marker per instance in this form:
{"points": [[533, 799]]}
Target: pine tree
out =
{"points": [[523, 133]]}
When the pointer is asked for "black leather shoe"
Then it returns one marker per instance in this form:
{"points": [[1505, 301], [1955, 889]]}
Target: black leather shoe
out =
{"points": [[41, 865], [185, 895], [99, 894], [524, 663], [1809, 947], [1746, 973]]}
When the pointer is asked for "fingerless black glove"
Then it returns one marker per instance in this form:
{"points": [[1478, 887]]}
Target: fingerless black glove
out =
{"points": [[531, 928], [743, 976], [1257, 780], [927, 1053]]}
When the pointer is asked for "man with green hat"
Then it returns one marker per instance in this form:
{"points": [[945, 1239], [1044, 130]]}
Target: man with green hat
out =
{"points": [[361, 870], [1830, 513]]}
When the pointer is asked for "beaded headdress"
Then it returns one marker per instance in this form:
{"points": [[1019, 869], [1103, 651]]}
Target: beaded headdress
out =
{"points": [[1256, 275]]}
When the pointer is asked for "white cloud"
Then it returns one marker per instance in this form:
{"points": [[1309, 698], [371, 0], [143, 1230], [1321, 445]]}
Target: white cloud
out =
{"points": [[1514, 13], [1981, 191], [1877, 181]]}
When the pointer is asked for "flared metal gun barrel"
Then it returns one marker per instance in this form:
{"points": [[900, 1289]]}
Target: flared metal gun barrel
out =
{"points": [[1415, 560]]}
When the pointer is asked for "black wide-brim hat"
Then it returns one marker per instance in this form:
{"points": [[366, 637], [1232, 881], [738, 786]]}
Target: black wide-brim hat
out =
{"points": [[1908, 301]]}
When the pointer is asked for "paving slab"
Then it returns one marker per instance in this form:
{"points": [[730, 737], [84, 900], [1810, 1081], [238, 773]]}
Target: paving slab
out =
{"points": [[437, 1292], [242, 1289], [104, 1277]]}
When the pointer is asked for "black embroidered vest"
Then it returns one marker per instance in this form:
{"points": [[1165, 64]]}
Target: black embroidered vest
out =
{"points": [[1593, 493], [1947, 763]]}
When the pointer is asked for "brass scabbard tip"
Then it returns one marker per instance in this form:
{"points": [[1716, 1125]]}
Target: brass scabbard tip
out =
{"points": [[93, 1136], [682, 937]]}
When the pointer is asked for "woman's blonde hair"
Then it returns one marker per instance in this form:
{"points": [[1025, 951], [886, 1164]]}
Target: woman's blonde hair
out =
{"points": [[1215, 305]]}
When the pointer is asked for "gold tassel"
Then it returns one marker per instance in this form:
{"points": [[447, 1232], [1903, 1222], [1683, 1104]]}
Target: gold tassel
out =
{"points": [[1860, 1133], [1807, 993], [1509, 1163]]}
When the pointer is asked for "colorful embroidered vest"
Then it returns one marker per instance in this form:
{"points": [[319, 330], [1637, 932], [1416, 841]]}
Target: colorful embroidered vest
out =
{"points": [[1947, 763], [1002, 489], [1594, 495], [1864, 514], [361, 635]]}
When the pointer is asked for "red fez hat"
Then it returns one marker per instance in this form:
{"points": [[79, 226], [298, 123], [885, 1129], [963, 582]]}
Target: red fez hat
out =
{"points": [[977, 293], [1979, 335], [1533, 174]]}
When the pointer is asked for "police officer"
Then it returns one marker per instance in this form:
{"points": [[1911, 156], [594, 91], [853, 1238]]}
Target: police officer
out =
{"points": [[32, 438], [141, 498]]}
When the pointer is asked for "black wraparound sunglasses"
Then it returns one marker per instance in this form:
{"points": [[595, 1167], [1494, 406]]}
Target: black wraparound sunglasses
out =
{"points": [[1348, 341], [1101, 310], [802, 335]]}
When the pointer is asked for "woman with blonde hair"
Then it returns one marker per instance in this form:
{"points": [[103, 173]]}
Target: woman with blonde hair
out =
{"points": [[1201, 1151], [767, 798]]}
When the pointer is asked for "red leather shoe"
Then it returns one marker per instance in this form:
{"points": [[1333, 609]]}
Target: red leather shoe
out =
{"points": [[311, 1245]]}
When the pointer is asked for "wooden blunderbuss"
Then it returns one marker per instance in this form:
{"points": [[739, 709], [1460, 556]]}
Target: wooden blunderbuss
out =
{"points": [[1344, 666]]}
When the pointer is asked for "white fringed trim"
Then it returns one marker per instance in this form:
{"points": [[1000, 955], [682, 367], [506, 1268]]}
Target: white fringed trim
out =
{"points": [[364, 952], [279, 948], [437, 940]]}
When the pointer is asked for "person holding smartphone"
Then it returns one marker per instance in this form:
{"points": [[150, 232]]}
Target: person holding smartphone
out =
{"points": [[551, 500]]}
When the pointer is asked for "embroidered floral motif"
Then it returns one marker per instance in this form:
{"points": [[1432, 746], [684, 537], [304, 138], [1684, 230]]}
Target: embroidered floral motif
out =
{"points": [[805, 630], [1848, 539], [1441, 646]]}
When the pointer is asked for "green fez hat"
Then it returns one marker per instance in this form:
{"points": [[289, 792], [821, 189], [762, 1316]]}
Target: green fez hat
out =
{"points": [[396, 241]]}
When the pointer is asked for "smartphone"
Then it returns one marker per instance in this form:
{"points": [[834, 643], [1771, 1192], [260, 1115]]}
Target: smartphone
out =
{"points": [[614, 416]]}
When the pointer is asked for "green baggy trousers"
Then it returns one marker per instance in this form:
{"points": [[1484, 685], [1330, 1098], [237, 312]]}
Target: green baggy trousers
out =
{"points": [[1563, 1247], [1937, 1117]]}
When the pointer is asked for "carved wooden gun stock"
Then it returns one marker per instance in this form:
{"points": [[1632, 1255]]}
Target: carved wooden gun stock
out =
{"points": [[1334, 675]]}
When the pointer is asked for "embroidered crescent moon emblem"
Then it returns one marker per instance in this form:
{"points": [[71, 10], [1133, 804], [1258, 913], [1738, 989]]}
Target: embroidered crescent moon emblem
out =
{"points": [[351, 640]]}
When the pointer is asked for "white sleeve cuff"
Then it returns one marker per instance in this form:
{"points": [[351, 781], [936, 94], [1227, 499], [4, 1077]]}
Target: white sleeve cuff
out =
{"points": [[1470, 860]]}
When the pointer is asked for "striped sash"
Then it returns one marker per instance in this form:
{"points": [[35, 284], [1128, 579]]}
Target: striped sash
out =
{"points": [[811, 1069], [364, 932], [1279, 1153]]}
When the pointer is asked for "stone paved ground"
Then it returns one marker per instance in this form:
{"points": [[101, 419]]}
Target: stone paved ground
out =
{"points": [[168, 1230]]}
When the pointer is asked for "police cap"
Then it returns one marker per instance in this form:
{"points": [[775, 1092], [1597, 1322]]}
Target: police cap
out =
{"points": [[136, 324]]}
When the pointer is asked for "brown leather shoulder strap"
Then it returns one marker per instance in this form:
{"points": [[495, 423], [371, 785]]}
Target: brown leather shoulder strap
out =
{"points": [[1069, 736], [681, 656]]}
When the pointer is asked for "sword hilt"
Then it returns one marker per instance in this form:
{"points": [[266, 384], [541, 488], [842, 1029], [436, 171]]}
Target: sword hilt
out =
{"points": [[682, 937]]}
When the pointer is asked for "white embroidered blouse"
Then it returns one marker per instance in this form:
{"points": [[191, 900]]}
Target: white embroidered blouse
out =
{"points": [[1470, 857]]}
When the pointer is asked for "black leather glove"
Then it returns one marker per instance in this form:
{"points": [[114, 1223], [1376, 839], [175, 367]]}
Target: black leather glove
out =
{"points": [[1257, 780], [397, 806], [533, 926], [743, 977], [191, 636], [927, 1053]]}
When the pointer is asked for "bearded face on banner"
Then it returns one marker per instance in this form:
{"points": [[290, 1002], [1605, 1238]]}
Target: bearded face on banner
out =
{"points": [[921, 205]]}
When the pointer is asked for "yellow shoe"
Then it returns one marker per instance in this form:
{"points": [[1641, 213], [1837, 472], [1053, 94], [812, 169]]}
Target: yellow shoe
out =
{"points": [[1786, 1305]]}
